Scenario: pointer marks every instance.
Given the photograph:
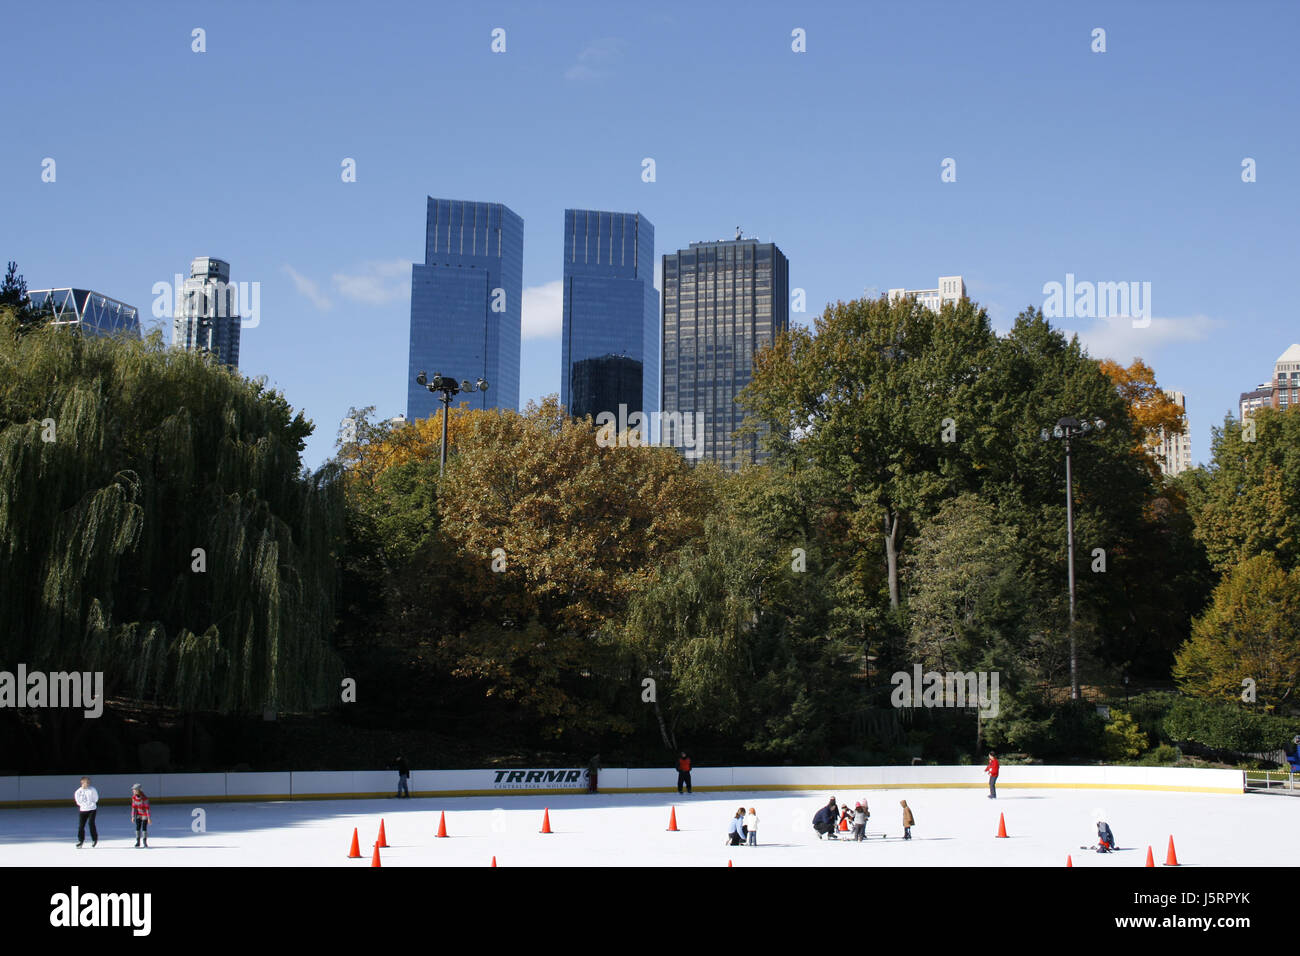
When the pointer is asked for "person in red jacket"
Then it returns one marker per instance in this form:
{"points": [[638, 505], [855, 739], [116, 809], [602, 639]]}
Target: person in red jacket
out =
{"points": [[140, 815], [683, 772], [992, 771]]}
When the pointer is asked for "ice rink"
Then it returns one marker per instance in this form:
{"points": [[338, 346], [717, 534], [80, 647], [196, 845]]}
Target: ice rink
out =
{"points": [[955, 827]]}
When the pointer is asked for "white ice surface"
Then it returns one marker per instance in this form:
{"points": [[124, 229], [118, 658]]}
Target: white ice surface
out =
{"points": [[954, 828]]}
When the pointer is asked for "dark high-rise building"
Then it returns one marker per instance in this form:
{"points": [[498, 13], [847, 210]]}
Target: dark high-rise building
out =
{"points": [[723, 301], [610, 346], [466, 304]]}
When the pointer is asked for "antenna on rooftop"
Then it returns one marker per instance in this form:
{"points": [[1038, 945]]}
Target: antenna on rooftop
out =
{"points": [[737, 232]]}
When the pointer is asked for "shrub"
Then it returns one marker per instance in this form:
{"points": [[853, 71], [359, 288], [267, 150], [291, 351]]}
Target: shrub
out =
{"points": [[1225, 726], [1123, 739]]}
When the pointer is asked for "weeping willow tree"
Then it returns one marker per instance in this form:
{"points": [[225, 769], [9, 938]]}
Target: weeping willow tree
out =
{"points": [[156, 525]]}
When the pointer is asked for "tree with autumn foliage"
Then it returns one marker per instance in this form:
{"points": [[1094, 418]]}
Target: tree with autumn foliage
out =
{"points": [[1152, 413]]}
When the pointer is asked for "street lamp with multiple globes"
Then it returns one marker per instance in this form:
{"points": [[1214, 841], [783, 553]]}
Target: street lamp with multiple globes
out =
{"points": [[1067, 429], [446, 388]]}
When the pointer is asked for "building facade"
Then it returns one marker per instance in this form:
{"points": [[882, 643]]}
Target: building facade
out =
{"points": [[1175, 452], [90, 312], [951, 289], [610, 345], [466, 304], [722, 302], [1282, 392], [207, 314]]}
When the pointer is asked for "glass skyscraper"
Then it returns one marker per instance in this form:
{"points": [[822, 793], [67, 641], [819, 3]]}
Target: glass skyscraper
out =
{"points": [[723, 301], [610, 345], [465, 304], [208, 318]]}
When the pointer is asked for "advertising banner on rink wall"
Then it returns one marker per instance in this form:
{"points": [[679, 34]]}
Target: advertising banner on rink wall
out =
{"points": [[56, 790]]}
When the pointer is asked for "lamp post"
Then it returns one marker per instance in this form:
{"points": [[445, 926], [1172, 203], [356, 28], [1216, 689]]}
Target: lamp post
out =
{"points": [[446, 388], [1067, 429]]}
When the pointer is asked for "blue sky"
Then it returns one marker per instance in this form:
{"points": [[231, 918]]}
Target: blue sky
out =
{"points": [[1122, 166]]}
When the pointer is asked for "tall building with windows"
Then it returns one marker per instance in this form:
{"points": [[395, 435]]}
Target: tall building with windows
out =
{"points": [[951, 289], [610, 346], [723, 302], [1175, 452], [466, 304], [90, 312], [1282, 392], [207, 317]]}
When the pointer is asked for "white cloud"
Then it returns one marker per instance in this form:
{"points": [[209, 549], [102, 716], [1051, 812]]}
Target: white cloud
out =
{"points": [[308, 288], [596, 59], [543, 310], [1116, 338], [377, 283]]}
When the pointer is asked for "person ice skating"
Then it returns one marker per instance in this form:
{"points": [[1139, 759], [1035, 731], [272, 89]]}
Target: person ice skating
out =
{"points": [[824, 821], [735, 834], [140, 815], [683, 772], [909, 821], [1105, 838], [87, 798], [751, 826], [992, 771], [859, 823], [593, 769], [403, 777]]}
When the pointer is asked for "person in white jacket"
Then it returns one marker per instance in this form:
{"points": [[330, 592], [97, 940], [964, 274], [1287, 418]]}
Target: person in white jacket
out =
{"points": [[751, 824], [87, 798]]}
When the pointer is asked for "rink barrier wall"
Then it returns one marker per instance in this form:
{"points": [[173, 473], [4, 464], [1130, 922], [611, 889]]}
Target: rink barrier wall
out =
{"points": [[115, 789]]}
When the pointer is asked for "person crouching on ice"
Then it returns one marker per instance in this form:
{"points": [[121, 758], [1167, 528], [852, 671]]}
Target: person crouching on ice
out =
{"points": [[824, 821], [1105, 838], [140, 815], [736, 834]]}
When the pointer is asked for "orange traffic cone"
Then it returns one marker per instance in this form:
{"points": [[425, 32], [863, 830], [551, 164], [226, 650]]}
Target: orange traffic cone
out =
{"points": [[1151, 861], [844, 824], [1068, 860], [1002, 827], [1171, 858], [672, 821], [355, 852], [728, 863], [546, 820], [494, 861], [383, 840], [442, 824], [374, 860]]}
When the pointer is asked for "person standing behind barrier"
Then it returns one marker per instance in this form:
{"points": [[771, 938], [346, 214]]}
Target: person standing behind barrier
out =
{"points": [[909, 821], [751, 824], [992, 771], [683, 772], [87, 798], [403, 777]]}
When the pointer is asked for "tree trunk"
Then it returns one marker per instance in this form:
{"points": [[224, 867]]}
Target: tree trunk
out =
{"points": [[891, 556], [663, 728]]}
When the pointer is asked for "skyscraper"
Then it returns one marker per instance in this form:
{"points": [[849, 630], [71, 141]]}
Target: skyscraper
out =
{"points": [[723, 301], [1175, 452], [208, 315], [610, 345], [1282, 392], [465, 304]]}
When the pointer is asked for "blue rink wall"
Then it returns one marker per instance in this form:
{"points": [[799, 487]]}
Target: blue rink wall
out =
{"points": [[57, 789]]}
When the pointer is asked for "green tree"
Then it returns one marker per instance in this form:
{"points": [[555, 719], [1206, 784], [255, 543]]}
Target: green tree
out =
{"points": [[1251, 632]]}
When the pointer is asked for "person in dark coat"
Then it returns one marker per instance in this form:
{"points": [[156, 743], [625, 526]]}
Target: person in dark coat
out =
{"points": [[683, 772], [593, 771], [1105, 838], [825, 820], [403, 776]]}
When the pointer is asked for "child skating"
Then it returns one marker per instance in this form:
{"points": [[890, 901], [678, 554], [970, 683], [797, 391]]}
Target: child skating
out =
{"points": [[909, 821], [140, 815]]}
